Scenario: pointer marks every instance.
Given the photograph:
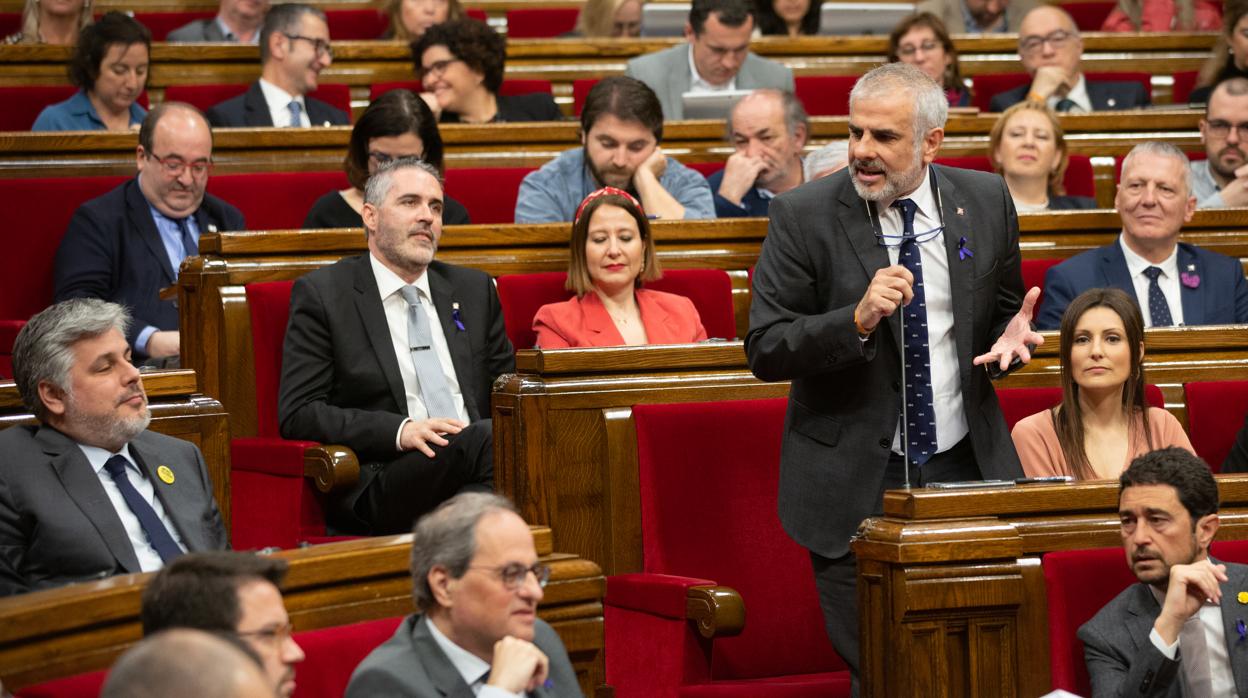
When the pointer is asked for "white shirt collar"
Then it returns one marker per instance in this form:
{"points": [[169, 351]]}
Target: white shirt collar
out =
{"points": [[97, 457], [1077, 94], [697, 82], [278, 101], [471, 667], [1137, 264], [389, 283]]}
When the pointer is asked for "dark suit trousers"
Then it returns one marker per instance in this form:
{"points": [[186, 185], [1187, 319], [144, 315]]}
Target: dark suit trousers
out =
{"points": [[413, 484], [837, 579]]}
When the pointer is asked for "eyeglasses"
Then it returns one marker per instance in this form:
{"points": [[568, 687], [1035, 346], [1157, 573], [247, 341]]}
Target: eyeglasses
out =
{"points": [[1033, 44], [277, 635], [438, 68], [1221, 129], [515, 574], [321, 45], [911, 49], [174, 166], [385, 158]]}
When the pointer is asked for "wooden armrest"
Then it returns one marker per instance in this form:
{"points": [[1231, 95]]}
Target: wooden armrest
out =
{"points": [[717, 611], [331, 467]]}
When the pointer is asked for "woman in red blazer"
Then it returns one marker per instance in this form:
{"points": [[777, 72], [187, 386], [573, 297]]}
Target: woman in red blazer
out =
{"points": [[611, 255]]}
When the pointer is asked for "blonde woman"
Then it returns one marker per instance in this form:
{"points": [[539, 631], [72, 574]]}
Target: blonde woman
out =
{"points": [[409, 19], [52, 22], [609, 19]]}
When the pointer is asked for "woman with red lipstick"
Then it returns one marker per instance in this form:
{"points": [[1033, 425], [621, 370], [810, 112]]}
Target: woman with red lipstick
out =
{"points": [[1028, 148], [1103, 422], [611, 255]]}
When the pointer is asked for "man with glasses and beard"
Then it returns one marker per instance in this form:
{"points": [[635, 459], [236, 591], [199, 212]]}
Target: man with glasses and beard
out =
{"points": [[90, 492], [845, 258], [1179, 631], [128, 244], [621, 129], [1221, 179]]}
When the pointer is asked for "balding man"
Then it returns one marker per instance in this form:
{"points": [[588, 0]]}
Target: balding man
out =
{"points": [[1175, 283], [1221, 179], [127, 245], [188, 664], [1051, 50], [768, 129]]}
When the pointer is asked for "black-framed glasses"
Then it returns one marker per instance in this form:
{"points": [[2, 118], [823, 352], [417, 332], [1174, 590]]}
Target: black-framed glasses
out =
{"points": [[438, 68], [1056, 39], [174, 166], [323, 48], [908, 50], [278, 634], [515, 574], [1221, 129]]}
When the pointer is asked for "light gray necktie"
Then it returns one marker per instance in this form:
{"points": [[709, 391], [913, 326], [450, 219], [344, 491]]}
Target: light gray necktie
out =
{"points": [[296, 110], [433, 390]]}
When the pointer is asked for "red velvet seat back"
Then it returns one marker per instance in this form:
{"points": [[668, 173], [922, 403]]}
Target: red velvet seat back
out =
{"points": [[10, 23], [489, 193], [1088, 16], [23, 103], [1033, 276], [356, 25], [540, 22], [275, 200], [824, 95], [333, 653], [1078, 181], [1184, 83], [1215, 414], [1017, 403], [204, 97], [988, 86], [509, 87], [708, 475], [80, 686], [1078, 583], [711, 293], [161, 23], [269, 304], [580, 91]]}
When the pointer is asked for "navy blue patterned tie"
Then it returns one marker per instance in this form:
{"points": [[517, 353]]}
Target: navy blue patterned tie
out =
{"points": [[920, 414], [166, 547], [189, 246], [1158, 308]]}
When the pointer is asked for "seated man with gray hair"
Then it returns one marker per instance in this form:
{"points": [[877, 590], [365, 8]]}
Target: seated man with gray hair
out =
{"points": [[189, 664], [829, 158], [90, 492], [768, 128], [476, 581]]}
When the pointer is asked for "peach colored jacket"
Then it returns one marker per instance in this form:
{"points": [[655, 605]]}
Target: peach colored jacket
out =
{"points": [[1035, 438], [585, 322]]}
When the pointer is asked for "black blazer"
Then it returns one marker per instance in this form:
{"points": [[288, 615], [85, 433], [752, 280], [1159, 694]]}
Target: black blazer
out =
{"points": [[535, 106], [1237, 460], [340, 376], [1105, 96], [112, 250], [817, 260], [250, 109], [1071, 203], [333, 211]]}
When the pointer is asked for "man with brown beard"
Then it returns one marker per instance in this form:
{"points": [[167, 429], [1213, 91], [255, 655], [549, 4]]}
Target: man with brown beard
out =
{"points": [[89, 492], [621, 129], [1221, 179]]}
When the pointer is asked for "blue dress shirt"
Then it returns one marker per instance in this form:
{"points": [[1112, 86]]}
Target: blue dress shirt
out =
{"points": [[78, 114]]}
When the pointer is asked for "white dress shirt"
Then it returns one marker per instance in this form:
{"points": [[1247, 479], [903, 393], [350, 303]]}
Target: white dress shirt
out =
{"points": [[1168, 281], [1205, 662], [149, 559], [472, 668], [279, 101], [698, 84], [392, 301], [951, 424], [1077, 94]]}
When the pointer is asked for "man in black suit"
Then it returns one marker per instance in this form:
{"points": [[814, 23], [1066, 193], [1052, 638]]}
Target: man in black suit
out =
{"points": [[89, 492], [845, 257], [128, 244], [294, 49], [393, 355], [476, 580], [1179, 632], [1051, 50]]}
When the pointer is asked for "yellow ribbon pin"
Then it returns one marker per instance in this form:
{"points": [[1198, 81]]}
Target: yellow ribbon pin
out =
{"points": [[165, 474], [1242, 597]]}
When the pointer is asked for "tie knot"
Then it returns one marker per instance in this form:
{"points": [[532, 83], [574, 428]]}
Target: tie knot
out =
{"points": [[1152, 273], [1066, 104], [410, 294], [908, 208], [115, 466]]}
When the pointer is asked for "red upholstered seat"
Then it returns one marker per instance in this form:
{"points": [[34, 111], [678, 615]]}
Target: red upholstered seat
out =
{"points": [[204, 97], [1215, 414], [477, 14], [275, 200], [708, 477], [1033, 276], [521, 295], [22, 104], [10, 23], [1184, 83], [580, 90], [540, 22], [706, 169], [356, 25], [987, 86], [161, 23], [1078, 180], [1017, 403], [824, 95], [1089, 16], [489, 193], [80, 686], [333, 653]]}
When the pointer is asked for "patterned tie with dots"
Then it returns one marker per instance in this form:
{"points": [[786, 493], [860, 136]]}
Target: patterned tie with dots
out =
{"points": [[921, 415], [1158, 308]]}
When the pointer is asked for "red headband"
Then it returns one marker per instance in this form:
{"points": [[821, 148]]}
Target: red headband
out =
{"points": [[606, 191]]}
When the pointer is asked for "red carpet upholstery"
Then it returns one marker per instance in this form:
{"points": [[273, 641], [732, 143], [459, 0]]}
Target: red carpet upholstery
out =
{"points": [[356, 25], [22, 104], [489, 193], [1088, 16], [161, 23], [522, 295], [540, 22], [708, 509], [987, 86], [1215, 414], [824, 95], [1078, 180], [275, 200], [1017, 403]]}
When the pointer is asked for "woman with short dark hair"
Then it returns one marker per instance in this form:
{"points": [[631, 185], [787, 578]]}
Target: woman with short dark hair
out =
{"points": [[460, 63], [397, 124], [791, 18], [109, 67], [923, 41]]}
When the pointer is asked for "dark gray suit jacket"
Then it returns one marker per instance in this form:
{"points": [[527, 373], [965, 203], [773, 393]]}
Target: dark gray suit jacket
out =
{"points": [[1122, 661], [57, 524], [817, 260], [412, 664], [1104, 96], [199, 31], [250, 109], [667, 73]]}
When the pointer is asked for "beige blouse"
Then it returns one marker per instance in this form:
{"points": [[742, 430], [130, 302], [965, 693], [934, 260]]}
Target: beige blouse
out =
{"points": [[1035, 439]]}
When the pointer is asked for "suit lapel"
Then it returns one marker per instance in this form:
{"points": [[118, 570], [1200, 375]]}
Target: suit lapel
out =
{"points": [[255, 109], [1114, 269], [680, 81], [855, 218], [84, 488], [956, 215], [368, 306], [1142, 612], [445, 301], [438, 667], [141, 222], [170, 493], [1192, 299], [598, 321], [1235, 612]]}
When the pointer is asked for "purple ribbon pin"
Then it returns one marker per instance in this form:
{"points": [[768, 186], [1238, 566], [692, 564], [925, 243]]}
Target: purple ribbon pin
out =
{"points": [[1241, 629], [963, 250], [456, 318], [1190, 280]]}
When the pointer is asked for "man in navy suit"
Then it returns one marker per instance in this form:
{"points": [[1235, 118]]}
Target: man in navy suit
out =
{"points": [[1175, 283], [294, 49], [768, 128], [1051, 50], [127, 245]]}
